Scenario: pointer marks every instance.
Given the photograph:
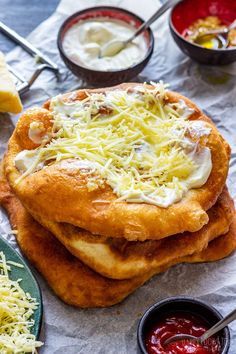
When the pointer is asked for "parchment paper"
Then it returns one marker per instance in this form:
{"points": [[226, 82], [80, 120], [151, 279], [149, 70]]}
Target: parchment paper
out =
{"points": [[67, 330]]}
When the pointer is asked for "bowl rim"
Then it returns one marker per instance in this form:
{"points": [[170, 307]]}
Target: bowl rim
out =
{"points": [[175, 299], [172, 27], [94, 8]]}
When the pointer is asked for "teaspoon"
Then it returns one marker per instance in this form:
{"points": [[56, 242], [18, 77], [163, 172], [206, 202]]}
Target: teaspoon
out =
{"points": [[115, 46], [210, 332], [221, 34]]}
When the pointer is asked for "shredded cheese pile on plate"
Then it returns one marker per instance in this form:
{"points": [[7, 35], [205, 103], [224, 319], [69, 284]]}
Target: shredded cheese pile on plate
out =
{"points": [[135, 141], [16, 310]]}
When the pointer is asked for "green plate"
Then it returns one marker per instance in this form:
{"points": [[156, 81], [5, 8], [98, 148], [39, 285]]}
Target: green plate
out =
{"points": [[28, 282]]}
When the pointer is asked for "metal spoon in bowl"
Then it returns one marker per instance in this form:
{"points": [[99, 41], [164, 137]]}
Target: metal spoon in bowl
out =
{"points": [[115, 46], [216, 328], [221, 34]]}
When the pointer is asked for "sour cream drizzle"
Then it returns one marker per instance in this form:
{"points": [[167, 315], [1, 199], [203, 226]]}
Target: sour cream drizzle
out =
{"points": [[142, 148]]}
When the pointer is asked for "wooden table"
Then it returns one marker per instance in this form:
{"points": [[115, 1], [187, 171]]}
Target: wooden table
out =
{"points": [[23, 16]]}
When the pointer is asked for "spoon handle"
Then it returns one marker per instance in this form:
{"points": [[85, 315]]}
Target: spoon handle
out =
{"points": [[218, 326], [157, 14], [232, 26], [217, 31]]}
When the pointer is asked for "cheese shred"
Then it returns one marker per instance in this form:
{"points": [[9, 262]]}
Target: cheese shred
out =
{"points": [[16, 310], [133, 140]]}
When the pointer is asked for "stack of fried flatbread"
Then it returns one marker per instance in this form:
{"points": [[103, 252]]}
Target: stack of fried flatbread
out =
{"points": [[94, 251]]}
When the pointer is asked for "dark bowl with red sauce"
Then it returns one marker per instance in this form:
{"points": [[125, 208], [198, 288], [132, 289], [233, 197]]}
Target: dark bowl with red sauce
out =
{"points": [[186, 12], [177, 315], [99, 77]]}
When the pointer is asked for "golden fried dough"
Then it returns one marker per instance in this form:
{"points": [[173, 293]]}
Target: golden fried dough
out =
{"points": [[70, 279], [121, 259], [217, 249], [59, 193], [42, 116]]}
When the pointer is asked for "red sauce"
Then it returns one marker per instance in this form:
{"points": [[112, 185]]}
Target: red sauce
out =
{"points": [[180, 323]]}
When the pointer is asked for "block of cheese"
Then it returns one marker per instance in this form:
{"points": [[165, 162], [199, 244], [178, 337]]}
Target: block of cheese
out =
{"points": [[9, 98]]}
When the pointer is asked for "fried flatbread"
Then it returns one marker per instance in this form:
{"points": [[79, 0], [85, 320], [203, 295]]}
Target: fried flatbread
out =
{"points": [[60, 194], [121, 259], [70, 279]]}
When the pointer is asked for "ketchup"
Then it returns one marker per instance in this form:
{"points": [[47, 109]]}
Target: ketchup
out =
{"points": [[180, 323]]}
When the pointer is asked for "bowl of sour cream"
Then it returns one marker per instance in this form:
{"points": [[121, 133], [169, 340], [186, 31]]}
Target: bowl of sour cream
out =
{"points": [[83, 35]]}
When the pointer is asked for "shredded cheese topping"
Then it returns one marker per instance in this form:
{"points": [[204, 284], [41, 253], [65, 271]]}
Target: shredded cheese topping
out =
{"points": [[135, 141], [16, 310]]}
